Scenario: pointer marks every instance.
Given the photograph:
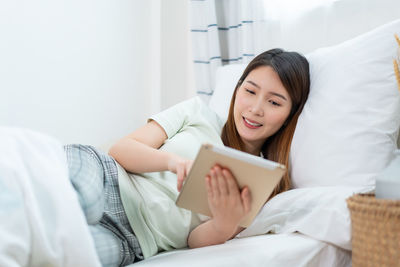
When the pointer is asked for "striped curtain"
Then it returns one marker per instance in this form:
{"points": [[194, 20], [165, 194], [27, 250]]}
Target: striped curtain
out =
{"points": [[222, 32]]}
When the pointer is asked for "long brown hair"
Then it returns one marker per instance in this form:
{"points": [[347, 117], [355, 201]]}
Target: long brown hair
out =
{"points": [[293, 71]]}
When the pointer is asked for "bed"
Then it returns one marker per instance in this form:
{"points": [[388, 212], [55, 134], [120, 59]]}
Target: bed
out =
{"points": [[352, 116]]}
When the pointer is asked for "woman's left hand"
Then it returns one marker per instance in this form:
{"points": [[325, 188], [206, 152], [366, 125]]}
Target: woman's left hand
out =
{"points": [[228, 204], [180, 167]]}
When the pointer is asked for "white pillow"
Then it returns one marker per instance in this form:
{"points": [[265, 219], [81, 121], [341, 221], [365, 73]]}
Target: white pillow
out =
{"points": [[318, 212], [348, 129], [226, 80]]}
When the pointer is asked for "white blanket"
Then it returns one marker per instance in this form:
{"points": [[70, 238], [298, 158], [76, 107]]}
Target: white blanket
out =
{"points": [[41, 223]]}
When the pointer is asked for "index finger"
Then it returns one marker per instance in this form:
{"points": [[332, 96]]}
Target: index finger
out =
{"points": [[180, 175]]}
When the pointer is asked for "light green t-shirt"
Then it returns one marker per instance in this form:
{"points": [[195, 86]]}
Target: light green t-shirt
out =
{"points": [[149, 198]]}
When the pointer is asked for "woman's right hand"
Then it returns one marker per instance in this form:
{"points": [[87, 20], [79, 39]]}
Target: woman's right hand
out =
{"points": [[181, 168]]}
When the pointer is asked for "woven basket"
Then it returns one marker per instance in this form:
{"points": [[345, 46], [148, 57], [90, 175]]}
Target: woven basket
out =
{"points": [[375, 227]]}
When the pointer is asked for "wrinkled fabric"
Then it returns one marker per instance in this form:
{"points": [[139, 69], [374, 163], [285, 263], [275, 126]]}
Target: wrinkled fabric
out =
{"points": [[41, 222]]}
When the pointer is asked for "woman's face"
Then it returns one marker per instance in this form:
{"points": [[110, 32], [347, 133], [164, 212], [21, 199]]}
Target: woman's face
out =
{"points": [[262, 105]]}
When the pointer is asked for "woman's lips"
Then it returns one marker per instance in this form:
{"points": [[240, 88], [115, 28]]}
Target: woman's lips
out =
{"points": [[251, 124]]}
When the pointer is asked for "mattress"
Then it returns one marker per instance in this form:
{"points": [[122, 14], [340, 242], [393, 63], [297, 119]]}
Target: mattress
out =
{"points": [[263, 250]]}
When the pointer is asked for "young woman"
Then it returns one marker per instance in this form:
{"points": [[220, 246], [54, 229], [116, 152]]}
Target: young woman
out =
{"points": [[129, 197]]}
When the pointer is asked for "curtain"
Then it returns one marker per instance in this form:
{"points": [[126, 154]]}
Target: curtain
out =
{"points": [[222, 32], [234, 31]]}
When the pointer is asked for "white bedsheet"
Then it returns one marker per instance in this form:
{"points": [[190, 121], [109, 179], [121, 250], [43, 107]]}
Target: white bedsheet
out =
{"points": [[264, 250], [41, 223]]}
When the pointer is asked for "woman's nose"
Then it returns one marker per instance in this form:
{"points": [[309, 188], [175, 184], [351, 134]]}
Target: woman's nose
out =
{"points": [[257, 108]]}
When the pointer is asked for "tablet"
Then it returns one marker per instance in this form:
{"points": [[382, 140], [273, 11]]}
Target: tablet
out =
{"points": [[259, 174]]}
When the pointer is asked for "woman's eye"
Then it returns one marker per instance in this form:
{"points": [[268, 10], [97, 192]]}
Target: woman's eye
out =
{"points": [[275, 103], [250, 91]]}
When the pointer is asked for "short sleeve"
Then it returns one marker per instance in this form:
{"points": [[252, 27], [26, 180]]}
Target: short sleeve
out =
{"points": [[173, 119]]}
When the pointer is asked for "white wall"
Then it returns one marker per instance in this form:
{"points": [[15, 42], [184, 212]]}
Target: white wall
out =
{"points": [[177, 70], [86, 71]]}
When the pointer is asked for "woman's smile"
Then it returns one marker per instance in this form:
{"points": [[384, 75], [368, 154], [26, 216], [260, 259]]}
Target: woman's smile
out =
{"points": [[251, 124]]}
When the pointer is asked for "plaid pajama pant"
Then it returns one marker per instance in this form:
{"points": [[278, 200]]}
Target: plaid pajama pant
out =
{"points": [[94, 176]]}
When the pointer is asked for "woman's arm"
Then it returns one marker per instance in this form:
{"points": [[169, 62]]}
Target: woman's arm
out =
{"points": [[207, 234], [138, 152], [228, 206]]}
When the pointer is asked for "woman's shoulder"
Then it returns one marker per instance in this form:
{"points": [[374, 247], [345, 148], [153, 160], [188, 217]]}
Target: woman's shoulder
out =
{"points": [[208, 113], [195, 109]]}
